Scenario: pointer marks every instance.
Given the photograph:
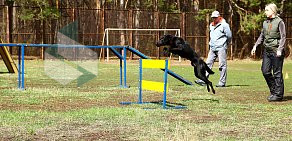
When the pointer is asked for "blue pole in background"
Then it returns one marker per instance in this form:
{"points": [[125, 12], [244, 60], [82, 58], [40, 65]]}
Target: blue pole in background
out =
{"points": [[121, 70], [19, 68], [140, 82], [125, 67], [165, 84], [22, 67]]}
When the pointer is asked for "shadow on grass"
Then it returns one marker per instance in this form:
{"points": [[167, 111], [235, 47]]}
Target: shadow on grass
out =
{"points": [[207, 99], [287, 98], [168, 104], [238, 85], [4, 72]]}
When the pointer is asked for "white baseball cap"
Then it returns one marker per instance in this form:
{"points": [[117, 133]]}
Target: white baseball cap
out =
{"points": [[215, 14]]}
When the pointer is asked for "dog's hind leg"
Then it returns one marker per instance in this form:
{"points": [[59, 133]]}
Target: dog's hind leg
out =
{"points": [[213, 91], [208, 87], [201, 75], [209, 84], [206, 67]]}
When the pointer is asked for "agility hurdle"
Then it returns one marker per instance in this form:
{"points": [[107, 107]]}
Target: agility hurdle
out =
{"points": [[123, 76], [153, 85], [123, 68]]}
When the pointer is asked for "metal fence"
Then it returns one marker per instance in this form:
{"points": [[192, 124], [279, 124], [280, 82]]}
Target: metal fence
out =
{"points": [[91, 24]]}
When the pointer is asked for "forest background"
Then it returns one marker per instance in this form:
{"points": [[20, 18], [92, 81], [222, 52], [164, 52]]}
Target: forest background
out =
{"points": [[40, 21]]}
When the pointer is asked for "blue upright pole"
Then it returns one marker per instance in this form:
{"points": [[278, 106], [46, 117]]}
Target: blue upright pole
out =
{"points": [[165, 84], [140, 82], [22, 67], [125, 67], [19, 68], [121, 71]]}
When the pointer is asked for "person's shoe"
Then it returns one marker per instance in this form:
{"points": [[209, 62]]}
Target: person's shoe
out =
{"points": [[270, 96], [220, 85], [274, 98], [199, 82]]}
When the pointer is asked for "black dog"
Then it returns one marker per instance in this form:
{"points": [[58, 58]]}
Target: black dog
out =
{"points": [[179, 47]]}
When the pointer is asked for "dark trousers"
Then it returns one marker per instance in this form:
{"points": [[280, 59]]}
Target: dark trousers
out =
{"points": [[272, 70]]}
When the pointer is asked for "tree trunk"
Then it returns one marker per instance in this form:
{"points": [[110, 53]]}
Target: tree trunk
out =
{"points": [[10, 14], [289, 51], [243, 50], [207, 35], [121, 22], [137, 23]]}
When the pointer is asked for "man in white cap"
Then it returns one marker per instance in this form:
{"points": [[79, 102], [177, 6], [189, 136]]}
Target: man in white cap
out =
{"points": [[220, 37], [273, 36]]}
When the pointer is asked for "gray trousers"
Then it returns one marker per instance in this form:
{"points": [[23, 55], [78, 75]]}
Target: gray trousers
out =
{"points": [[222, 56]]}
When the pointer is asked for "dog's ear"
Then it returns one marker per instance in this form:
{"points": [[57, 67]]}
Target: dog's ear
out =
{"points": [[168, 36]]}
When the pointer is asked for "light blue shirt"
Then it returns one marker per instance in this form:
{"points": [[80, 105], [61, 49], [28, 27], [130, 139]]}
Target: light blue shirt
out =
{"points": [[220, 36]]}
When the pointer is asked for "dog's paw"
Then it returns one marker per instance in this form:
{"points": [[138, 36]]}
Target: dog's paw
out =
{"points": [[165, 49], [166, 53]]}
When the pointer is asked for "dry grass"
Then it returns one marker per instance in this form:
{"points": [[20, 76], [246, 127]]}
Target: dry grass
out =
{"points": [[47, 110]]}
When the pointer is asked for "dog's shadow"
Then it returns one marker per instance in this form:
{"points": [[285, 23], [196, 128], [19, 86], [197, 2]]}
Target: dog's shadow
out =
{"points": [[238, 85], [202, 99]]}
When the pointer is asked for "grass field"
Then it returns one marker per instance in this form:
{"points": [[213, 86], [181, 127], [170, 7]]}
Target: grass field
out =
{"points": [[47, 110]]}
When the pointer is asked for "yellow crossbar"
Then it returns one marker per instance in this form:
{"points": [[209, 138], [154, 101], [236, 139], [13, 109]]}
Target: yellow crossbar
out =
{"points": [[154, 86], [147, 63]]}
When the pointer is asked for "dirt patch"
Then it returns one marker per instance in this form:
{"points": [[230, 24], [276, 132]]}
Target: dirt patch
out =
{"points": [[232, 133], [191, 117], [51, 105], [64, 103], [76, 132], [103, 135]]}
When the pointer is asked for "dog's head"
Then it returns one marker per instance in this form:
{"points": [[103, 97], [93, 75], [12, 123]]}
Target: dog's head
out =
{"points": [[164, 40]]}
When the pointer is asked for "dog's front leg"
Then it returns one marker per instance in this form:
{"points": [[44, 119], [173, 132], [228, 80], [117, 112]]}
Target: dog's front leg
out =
{"points": [[166, 51], [178, 47]]}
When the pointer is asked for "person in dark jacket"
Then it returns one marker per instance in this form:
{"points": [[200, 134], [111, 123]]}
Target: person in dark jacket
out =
{"points": [[273, 37]]}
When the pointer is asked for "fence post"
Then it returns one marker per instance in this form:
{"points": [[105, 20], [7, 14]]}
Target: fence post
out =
{"points": [[10, 22], [207, 35], [231, 45], [43, 39], [156, 25], [183, 27], [102, 27], [130, 23]]}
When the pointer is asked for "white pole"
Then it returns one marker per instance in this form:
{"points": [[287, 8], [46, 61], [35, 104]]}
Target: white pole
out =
{"points": [[126, 29], [102, 49], [107, 49], [179, 58]]}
